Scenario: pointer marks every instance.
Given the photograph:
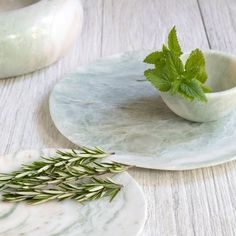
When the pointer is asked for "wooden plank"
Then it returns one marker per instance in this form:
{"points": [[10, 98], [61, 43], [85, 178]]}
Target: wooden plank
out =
{"points": [[137, 24], [220, 23]]}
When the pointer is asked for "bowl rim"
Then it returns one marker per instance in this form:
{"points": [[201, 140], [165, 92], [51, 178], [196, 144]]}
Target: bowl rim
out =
{"points": [[226, 55]]}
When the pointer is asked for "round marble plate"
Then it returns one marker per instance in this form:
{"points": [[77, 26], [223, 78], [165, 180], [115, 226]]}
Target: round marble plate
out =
{"points": [[110, 104], [125, 215]]}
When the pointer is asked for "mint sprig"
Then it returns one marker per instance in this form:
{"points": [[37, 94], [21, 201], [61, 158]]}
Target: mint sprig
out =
{"points": [[171, 75]]}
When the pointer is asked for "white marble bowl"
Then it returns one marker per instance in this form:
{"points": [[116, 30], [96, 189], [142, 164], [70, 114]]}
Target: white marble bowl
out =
{"points": [[36, 33], [221, 70]]}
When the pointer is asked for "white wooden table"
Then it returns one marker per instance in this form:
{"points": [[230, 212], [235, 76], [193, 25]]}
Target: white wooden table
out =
{"points": [[200, 202]]}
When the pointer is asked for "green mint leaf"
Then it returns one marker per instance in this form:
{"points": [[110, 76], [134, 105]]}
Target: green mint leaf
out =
{"points": [[158, 79], [174, 64], [202, 75], [165, 50], [195, 65], [153, 58], [173, 42], [171, 75], [206, 89], [191, 89], [196, 59], [175, 87]]}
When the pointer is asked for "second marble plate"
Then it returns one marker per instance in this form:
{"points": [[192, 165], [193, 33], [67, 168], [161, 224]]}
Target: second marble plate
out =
{"points": [[110, 104], [125, 215]]}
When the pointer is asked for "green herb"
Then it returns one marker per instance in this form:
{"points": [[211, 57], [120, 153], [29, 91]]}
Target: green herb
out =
{"points": [[53, 165], [68, 175], [171, 75], [95, 189]]}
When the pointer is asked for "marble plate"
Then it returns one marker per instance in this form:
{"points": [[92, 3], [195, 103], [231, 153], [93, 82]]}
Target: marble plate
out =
{"points": [[125, 215], [110, 104]]}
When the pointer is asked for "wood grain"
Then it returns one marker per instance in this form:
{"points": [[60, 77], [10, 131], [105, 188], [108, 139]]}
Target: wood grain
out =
{"points": [[219, 20], [199, 202]]}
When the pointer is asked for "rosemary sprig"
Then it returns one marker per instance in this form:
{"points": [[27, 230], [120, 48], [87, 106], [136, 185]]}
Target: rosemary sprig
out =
{"points": [[66, 173], [95, 189], [50, 165], [69, 175]]}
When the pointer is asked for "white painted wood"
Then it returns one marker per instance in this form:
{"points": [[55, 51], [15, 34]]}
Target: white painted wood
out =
{"points": [[200, 202], [219, 19]]}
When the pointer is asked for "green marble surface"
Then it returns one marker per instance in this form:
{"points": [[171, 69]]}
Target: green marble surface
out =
{"points": [[110, 104]]}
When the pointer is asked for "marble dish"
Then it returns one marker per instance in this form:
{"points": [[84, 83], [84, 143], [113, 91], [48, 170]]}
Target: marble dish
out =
{"points": [[221, 70], [125, 215], [36, 33], [109, 103]]}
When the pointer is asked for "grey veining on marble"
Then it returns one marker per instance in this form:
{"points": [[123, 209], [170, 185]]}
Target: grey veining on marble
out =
{"points": [[125, 215], [110, 104], [36, 33]]}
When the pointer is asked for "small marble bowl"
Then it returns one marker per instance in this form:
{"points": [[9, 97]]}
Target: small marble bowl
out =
{"points": [[221, 70], [36, 33]]}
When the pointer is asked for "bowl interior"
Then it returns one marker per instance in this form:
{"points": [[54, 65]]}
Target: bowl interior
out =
{"points": [[8, 5], [221, 70]]}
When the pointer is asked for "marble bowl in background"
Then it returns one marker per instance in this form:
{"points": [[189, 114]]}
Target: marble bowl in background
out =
{"points": [[221, 70], [36, 33]]}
